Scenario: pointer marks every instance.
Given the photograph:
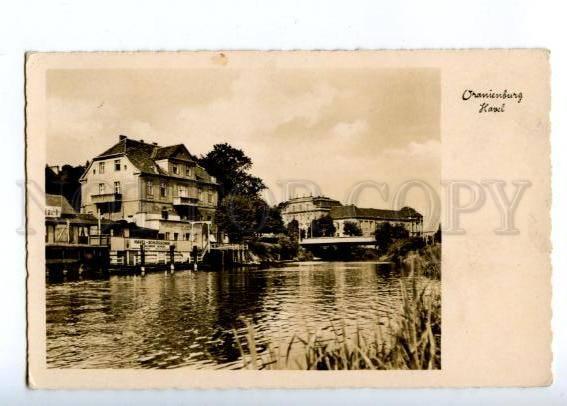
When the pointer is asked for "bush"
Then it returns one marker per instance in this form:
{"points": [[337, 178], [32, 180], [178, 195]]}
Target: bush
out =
{"points": [[288, 247], [352, 229]]}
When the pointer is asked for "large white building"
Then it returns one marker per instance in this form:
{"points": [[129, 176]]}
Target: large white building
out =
{"points": [[306, 209], [160, 188], [309, 208]]}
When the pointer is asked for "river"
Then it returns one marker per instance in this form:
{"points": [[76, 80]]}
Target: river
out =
{"points": [[186, 319]]}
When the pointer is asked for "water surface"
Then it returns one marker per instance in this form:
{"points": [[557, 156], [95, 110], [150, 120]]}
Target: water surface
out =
{"points": [[187, 319]]}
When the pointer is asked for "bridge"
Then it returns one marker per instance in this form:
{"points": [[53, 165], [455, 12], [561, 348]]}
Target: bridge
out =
{"points": [[321, 241]]}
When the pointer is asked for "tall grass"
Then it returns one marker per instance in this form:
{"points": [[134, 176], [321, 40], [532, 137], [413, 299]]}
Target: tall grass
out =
{"points": [[411, 341], [425, 261]]}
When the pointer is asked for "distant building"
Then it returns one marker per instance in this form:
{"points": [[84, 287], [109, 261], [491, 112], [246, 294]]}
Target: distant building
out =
{"points": [[306, 209], [369, 219], [160, 188]]}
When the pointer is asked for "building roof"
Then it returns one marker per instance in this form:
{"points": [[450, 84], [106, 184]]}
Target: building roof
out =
{"points": [[138, 152], [172, 151], [353, 212], [144, 156], [60, 201]]}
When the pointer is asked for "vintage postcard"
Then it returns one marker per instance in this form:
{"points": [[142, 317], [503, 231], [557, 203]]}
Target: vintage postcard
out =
{"points": [[288, 219]]}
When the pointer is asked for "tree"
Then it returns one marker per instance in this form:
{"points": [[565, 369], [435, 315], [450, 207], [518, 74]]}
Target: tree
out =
{"points": [[386, 234], [231, 168], [323, 227], [383, 236], [399, 232], [352, 229], [288, 247], [437, 235], [66, 183], [273, 222], [293, 229], [241, 217]]}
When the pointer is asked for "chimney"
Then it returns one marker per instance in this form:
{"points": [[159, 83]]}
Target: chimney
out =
{"points": [[154, 143], [121, 137], [142, 141]]}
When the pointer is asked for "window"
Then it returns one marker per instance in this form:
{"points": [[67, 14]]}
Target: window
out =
{"points": [[162, 189], [94, 171], [101, 188], [117, 188], [167, 235], [117, 165], [187, 171], [209, 197], [175, 236], [175, 169], [182, 191], [186, 236], [149, 188], [101, 167]]}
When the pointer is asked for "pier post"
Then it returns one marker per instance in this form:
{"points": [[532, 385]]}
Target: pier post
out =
{"points": [[142, 259], [172, 258]]}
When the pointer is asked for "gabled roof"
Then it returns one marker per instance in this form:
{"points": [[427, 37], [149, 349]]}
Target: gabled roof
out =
{"points": [[144, 156], [178, 151], [138, 152], [351, 211]]}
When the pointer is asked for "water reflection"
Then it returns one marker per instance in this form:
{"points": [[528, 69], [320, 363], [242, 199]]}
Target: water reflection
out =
{"points": [[187, 319]]}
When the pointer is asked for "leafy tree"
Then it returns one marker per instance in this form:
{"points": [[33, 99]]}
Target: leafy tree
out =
{"points": [[293, 229], [231, 168], [323, 227], [288, 247], [241, 217], [245, 217], [437, 235], [383, 236], [273, 222], [352, 228], [386, 234], [399, 232], [66, 183]]}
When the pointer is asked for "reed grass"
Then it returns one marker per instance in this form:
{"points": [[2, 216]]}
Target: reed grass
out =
{"points": [[410, 341]]}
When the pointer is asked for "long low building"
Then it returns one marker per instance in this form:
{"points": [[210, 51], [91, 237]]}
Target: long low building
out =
{"points": [[305, 210], [369, 219]]}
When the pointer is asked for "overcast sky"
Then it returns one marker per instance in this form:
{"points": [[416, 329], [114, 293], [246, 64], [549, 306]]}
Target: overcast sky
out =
{"points": [[335, 128]]}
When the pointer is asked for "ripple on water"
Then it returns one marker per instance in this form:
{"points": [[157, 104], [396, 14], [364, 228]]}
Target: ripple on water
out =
{"points": [[188, 319]]}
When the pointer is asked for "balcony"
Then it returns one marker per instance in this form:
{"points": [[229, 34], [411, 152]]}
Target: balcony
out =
{"points": [[105, 198], [185, 201]]}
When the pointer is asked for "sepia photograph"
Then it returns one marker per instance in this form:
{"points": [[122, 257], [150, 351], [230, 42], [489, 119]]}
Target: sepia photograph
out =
{"points": [[244, 219], [264, 218]]}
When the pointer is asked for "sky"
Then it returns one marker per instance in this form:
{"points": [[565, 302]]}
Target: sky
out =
{"points": [[356, 135]]}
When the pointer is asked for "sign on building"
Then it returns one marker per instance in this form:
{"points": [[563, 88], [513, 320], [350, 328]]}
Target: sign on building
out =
{"points": [[52, 211], [149, 245]]}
